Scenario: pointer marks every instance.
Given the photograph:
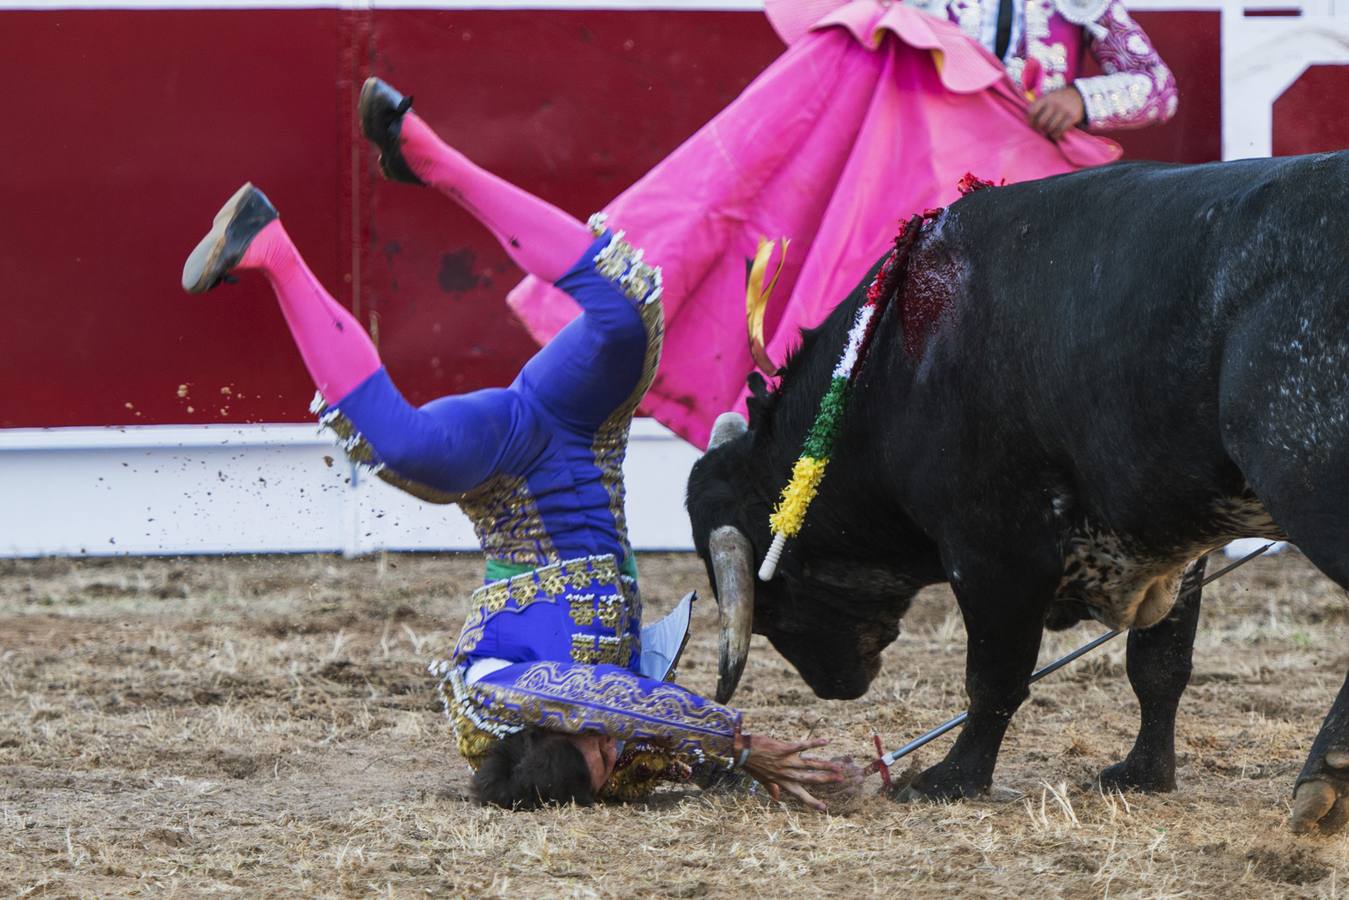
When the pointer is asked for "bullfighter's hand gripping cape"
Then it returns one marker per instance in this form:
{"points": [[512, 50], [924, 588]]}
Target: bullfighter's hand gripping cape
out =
{"points": [[554, 637]]}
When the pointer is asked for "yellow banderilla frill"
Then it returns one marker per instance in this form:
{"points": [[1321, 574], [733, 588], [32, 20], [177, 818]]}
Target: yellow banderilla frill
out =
{"points": [[790, 513]]}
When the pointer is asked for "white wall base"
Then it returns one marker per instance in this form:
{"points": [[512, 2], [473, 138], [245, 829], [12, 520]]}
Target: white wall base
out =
{"points": [[168, 490], [261, 489]]}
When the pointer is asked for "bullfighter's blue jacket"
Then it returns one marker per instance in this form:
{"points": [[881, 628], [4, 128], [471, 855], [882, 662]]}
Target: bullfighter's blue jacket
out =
{"points": [[553, 638]]}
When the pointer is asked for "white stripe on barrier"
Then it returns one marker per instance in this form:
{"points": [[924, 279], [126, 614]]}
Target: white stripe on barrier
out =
{"points": [[261, 488]]}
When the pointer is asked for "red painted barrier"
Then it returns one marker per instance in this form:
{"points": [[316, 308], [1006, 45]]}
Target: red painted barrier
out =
{"points": [[129, 128], [1309, 117], [128, 131]]}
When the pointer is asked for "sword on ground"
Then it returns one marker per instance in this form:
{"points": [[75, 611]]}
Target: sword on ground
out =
{"points": [[883, 763]]}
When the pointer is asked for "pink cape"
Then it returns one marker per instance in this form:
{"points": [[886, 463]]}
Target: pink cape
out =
{"points": [[871, 117]]}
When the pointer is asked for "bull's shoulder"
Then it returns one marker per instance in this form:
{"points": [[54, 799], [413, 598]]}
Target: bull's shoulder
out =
{"points": [[1125, 189], [1143, 216]]}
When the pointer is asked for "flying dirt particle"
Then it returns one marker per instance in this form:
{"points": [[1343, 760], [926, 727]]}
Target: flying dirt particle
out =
{"points": [[182, 391], [226, 391], [130, 405], [190, 409], [328, 461]]}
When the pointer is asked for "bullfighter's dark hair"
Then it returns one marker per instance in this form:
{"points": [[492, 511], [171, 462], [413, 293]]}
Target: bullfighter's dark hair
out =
{"points": [[533, 768]]}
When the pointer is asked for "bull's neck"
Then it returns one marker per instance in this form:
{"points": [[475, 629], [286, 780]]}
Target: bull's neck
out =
{"points": [[858, 510]]}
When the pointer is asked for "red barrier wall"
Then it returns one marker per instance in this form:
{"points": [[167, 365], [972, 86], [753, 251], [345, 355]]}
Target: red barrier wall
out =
{"points": [[128, 129], [1309, 117]]}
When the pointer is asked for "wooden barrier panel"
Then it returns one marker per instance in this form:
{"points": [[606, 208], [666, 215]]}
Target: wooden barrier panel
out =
{"points": [[130, 127]]}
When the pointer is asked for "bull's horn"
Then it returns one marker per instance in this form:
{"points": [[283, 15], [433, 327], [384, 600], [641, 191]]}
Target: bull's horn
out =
{"points": [[729, 425], [732, 567]]}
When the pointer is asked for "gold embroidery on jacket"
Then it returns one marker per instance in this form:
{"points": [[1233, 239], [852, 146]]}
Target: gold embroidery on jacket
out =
{"points": [[573, 699]]}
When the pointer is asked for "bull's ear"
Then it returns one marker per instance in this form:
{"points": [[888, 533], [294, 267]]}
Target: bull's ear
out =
{"points": [[758, 388], [759, 399]]}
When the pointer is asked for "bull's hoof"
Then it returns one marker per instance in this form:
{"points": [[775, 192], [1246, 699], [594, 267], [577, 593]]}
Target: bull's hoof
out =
{"points": [[908, 794], [1132, 776], [995, 794], [1321, 800], [937, 785]]}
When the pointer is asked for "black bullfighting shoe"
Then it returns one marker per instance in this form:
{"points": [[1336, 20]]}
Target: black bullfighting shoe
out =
{"points": [[235, 226], [381, 109]]}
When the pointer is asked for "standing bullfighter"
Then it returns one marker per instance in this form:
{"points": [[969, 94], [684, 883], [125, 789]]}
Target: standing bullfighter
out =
{"points": [[545, 686]]}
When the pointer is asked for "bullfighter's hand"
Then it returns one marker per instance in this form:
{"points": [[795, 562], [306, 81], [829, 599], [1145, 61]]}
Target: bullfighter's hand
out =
{"points": [[1056, 112], [780, 766]]}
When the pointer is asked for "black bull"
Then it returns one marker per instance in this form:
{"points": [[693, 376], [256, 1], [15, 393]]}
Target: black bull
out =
{"points": [[1104, 375]]}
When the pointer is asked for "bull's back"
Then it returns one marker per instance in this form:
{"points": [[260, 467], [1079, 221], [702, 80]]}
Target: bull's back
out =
{"points": [[1096, 315]]}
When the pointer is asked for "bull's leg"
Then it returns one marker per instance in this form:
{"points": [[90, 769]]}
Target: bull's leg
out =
{"points": [[1159, 662], [1003, 625], [1311, 504], [1282, 414], [1321, 798], [1321, 531]]}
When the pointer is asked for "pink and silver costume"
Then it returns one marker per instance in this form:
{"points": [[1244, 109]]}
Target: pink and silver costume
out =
{"points": [[874, 113], [1137, 88]]}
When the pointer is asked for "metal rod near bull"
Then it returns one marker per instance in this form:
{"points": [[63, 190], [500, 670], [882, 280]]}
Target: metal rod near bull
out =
{"points": [[889, 759]]}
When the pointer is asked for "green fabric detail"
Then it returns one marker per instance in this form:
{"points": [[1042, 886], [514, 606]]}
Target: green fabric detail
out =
{"points": [[498, 570], [820, 440]]}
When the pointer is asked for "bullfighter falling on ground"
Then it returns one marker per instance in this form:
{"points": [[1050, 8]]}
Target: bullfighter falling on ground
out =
{"points": [[548, 688]]}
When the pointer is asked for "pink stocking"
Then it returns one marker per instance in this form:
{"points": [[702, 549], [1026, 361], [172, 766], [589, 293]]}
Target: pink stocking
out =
{"points": [[542, 239], [336, 350]]}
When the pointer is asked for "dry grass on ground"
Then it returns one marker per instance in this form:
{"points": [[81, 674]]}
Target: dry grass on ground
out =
{"points": [[264, 726]]}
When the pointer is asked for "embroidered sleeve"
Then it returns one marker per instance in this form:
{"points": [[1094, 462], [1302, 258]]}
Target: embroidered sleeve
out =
{"points": [[572, 698], [1137, 88]]}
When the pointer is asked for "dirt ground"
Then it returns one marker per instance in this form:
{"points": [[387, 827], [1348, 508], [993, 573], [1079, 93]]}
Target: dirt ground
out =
{"points": [[265, 726]]}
